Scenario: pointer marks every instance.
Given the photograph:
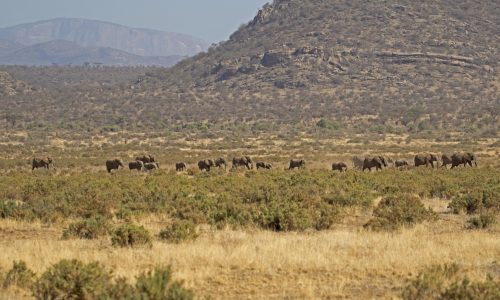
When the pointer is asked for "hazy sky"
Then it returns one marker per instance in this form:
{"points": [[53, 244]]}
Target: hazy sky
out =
{"points": [[211, 20]]}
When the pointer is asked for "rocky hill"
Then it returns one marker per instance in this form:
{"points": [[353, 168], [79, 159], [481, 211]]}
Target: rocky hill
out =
{"points": [[322, 41], [68, 53], [89, 33], [397, 62]]}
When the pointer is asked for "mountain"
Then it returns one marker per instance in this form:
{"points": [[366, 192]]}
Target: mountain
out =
{"points": [[68, 53], [89, 33], [7, 47], [389, 62]]}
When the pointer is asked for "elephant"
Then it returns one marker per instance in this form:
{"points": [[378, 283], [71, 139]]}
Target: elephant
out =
{"points": [[357, 162], [300, 164], [179, 167], [113, 164], [146, 158], [263, 165], [446, 160], [425, 159], [243, 161], [377, 162], [463, 159], [206, 164], [136, 165], [342, 167], [221, 162], [151, 166], [41, 163], [401, 163]]}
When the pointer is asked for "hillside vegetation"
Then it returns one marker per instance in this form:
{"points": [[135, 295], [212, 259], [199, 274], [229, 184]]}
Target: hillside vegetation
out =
{"points": [[391, 66]]}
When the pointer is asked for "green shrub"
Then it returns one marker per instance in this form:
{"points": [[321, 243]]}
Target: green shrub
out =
{"points": [[483, 221], [130, 235], [469, 203], [179, 231], [120, 289], [445, 282], [7, 209], [72, 279], [327, 215], [19, 276], [430, 283], [476, 201], [158, 285], [92, 228], [465, 289], [397, 211], [285, 216]]}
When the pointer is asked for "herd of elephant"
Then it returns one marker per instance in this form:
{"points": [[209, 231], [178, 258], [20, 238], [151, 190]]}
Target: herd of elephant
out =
{"points": [[148, 163]]}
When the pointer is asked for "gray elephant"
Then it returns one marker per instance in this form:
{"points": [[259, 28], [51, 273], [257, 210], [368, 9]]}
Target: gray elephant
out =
{"points": [[357, 162], [151, 166], [179, 167], [446, 160], [136, 165], [299, 164], [41, 163], [342, 167], [113, 164], [146, 158], [263, 165], [243, 161], [425, 160], [401, 163], [377, 162], [465, 159], [221, 162], [206, 165]]}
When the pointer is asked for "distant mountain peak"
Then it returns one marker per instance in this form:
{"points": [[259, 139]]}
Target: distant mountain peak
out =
{"points": [[91, 33]]}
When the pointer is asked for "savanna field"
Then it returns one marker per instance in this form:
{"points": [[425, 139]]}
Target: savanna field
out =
{"points": [[412, 233], [319, 81]]}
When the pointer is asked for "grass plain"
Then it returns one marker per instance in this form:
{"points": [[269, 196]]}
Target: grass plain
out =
{"points": [[240, 257]]}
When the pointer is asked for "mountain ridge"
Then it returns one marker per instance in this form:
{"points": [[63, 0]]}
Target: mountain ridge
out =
{"points": [[68, 53], [93, 33]]}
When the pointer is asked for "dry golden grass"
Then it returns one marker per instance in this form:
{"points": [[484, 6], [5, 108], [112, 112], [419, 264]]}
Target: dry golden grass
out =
{"points": [[345, 262]]}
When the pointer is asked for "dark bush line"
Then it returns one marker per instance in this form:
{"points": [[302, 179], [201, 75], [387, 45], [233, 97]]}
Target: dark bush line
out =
{"points": [[275, 200]]}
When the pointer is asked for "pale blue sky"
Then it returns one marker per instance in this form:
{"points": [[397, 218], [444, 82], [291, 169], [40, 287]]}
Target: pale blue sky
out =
{"points": [[211, 20]]}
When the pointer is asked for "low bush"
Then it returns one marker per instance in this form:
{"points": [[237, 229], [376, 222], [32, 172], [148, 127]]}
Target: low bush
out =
{"points": [[398, 211], [284, 216], [466, 289], [130, 235], [446, 282], [179, 231], [469, 203], [158, 285], [7, 209], [482, 221], [72, 279], [478, 200], [19, 276], [89, 229]]}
